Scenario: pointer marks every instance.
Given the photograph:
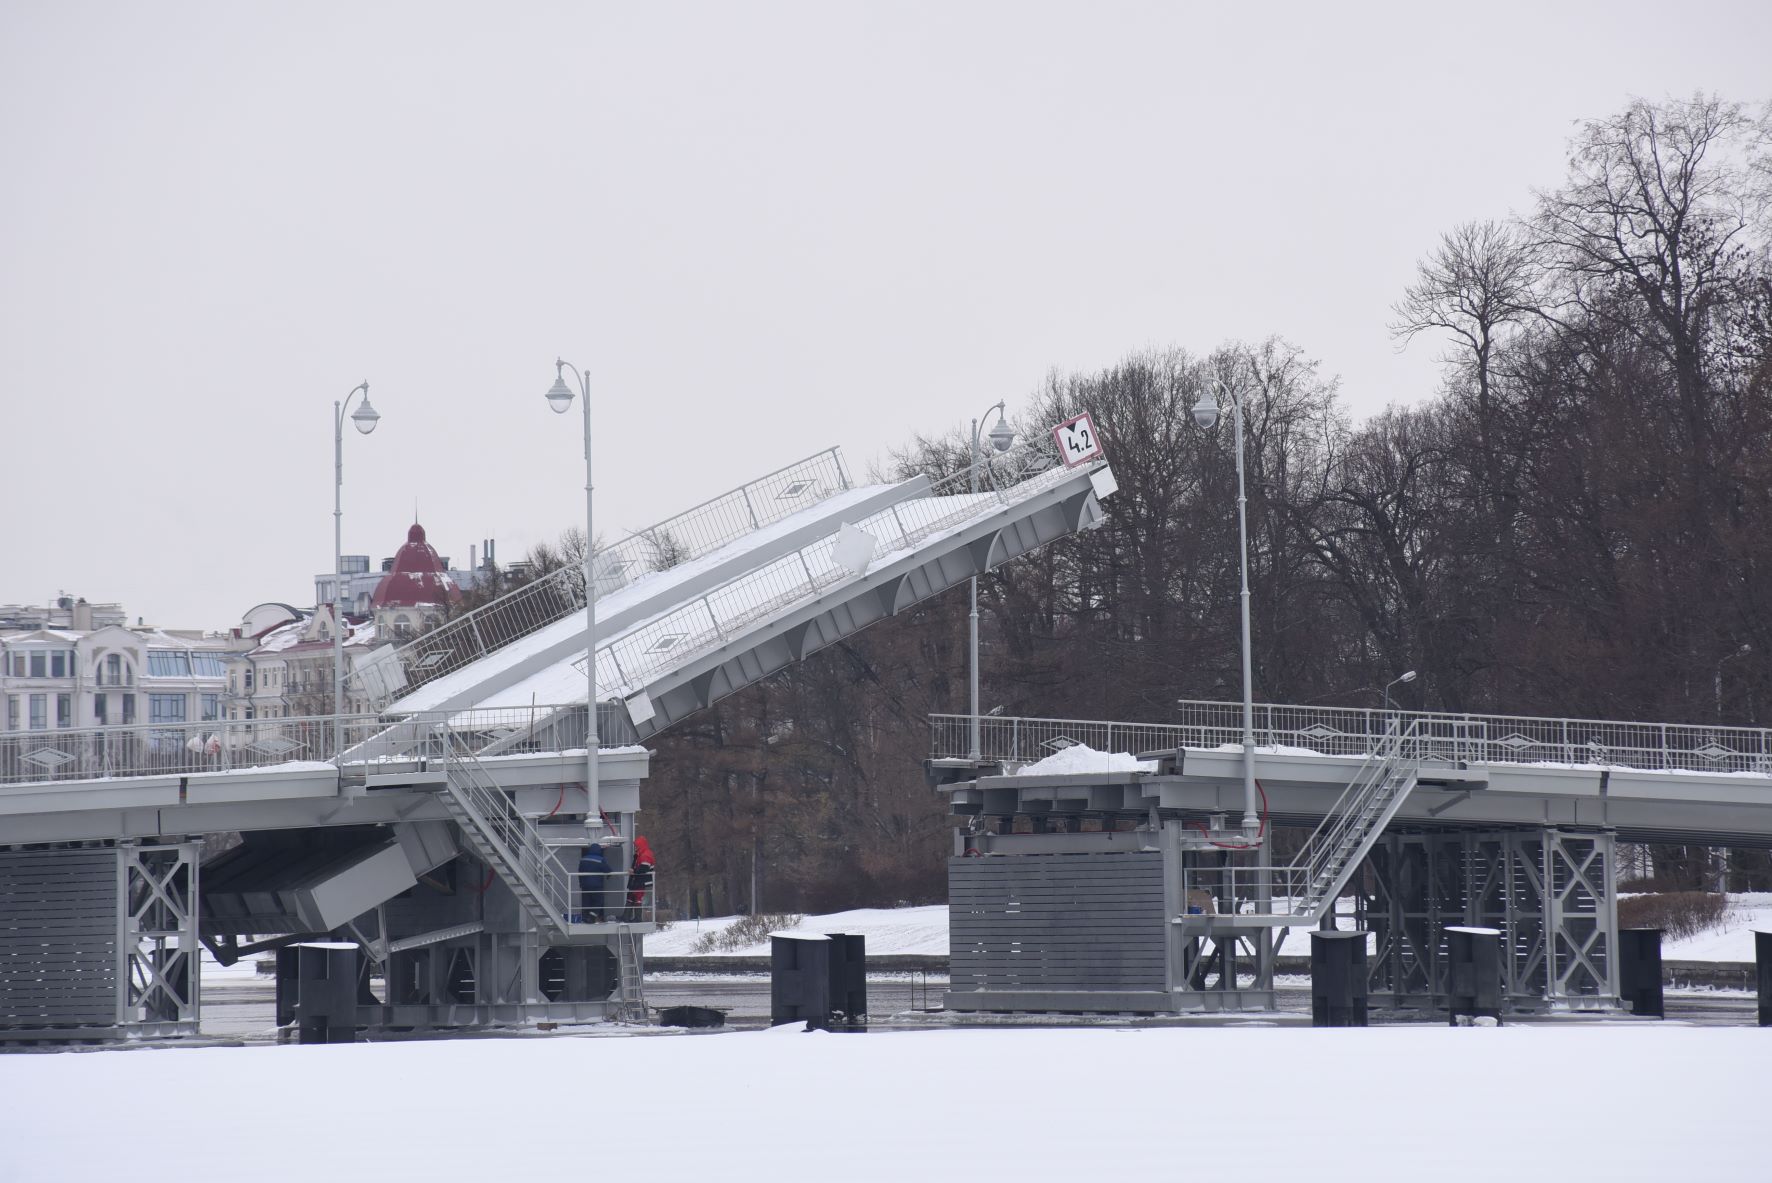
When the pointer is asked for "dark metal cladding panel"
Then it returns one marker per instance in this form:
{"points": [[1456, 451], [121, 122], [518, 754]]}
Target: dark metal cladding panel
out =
{"points": [[58, 938], [1058, 922]]}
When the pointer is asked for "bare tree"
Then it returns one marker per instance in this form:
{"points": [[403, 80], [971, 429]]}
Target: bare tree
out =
{"points": [[1477, 285], [1658, 227]]}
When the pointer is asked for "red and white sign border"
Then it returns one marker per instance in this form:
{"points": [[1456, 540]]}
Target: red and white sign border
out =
{"points": [[1077, 440]]}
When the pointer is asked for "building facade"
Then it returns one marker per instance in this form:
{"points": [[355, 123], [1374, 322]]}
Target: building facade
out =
{"points": [[101, 675]]}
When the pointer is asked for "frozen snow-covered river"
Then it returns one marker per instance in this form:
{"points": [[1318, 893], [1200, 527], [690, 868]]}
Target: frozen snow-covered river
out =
{"points": [[1617, 1101]]}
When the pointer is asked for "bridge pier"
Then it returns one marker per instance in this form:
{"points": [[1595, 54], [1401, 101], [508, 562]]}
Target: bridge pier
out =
{"points": [[1055, 917], [1548, 890], [99, 941]]}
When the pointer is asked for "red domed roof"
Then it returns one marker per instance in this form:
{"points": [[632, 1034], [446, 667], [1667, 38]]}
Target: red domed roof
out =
{"points": [[418, 577]]}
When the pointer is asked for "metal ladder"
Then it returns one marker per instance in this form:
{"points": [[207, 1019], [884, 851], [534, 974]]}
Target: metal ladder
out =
{"points": [[508, 842], [631, 1003]]}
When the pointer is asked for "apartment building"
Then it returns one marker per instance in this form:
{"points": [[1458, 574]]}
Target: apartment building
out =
{"points": [[88, 674]]}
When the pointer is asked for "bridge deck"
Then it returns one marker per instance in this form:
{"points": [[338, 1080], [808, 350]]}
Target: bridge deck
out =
{"points": [[1649, 782]]}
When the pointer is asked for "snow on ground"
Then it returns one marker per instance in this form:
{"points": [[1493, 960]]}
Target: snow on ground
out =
{"points": [[1254, 1102], [214, 972], [922, 931], [1732, 940]]}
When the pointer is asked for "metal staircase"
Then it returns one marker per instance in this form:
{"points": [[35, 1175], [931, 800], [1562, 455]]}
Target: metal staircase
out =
{"points": [[1348, 831], [509, 842], [1303, 891]]}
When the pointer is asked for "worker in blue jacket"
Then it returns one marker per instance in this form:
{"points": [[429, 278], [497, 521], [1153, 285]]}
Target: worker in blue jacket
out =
{"points": [[593, 872]]}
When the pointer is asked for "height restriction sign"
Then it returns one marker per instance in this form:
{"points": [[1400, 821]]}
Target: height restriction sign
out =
{"points": [[1077, 441]]}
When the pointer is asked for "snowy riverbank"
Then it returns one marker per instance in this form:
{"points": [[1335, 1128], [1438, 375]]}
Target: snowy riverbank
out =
{"points": [[924, 931]]}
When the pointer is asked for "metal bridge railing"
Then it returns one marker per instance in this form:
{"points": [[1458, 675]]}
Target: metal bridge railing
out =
{"points": [[709, 621], [691, 534], [180, 749], [1344, 731], [187, 749], [1023, 741]]}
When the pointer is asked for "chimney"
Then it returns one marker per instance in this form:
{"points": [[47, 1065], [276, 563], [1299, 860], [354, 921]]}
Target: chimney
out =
{"points": [[82, 616], [473, 553]]}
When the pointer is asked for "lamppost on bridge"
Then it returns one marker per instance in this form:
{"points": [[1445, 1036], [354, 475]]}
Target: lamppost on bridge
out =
{"points": [[1721, 853], [364, 418], [560, 399], [1206, 413], [1727, 657], [1002, 436], [1405, 676]]}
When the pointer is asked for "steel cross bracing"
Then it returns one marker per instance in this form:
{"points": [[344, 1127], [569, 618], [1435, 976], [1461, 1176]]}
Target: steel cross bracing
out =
{"points": [[160, 936], [1546, 891]]}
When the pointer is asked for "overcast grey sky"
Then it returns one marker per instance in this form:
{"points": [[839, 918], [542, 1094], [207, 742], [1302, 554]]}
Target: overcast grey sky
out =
{"points": [[765, 229]]}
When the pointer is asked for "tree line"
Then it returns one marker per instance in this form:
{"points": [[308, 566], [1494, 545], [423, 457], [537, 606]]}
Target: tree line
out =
{"points": [[1574, 524]]}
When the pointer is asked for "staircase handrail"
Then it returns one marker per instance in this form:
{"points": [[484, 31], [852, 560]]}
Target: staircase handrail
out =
{"points": [[1375, 770], [1311, 881], [504, 826]]}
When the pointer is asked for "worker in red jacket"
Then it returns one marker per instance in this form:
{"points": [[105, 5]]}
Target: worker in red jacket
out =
{"points": [[640, 877]]}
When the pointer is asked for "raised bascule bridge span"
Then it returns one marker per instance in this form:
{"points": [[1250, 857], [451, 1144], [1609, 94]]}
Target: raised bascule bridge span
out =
{"points": [[1116, 886], [442, 834]]}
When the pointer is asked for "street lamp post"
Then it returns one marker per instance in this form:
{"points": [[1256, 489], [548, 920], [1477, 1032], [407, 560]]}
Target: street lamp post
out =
{"points": [[1722, 852], [1741, 652], [560, 399], [1405, 676], [364, 418], [1002, 436], [1206, 413]]}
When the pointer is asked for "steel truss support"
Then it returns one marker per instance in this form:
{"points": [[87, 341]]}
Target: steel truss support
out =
{"points": [[157, 929], [1548, 891], [1215, 967]]}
